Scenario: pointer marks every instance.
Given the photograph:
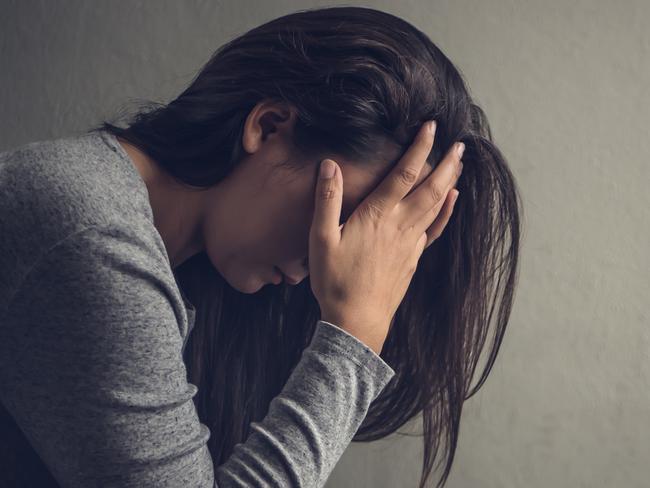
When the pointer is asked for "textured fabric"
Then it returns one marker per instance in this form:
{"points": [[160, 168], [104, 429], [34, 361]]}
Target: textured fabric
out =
{"points": [[93, 388]]}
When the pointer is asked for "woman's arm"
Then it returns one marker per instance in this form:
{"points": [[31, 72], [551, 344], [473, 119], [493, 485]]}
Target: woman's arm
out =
{"points": [[91, 370]]}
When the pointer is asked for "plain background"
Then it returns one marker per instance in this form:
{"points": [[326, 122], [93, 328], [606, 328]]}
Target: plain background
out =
{"points": [[566, 88]]}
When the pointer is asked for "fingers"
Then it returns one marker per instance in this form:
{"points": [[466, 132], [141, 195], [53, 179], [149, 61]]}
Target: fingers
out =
{"points": [[327, 204], [442, 219], [403, 176], [421, 206]]}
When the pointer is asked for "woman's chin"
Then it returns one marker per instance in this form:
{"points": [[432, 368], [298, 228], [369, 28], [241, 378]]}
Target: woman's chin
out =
{"points": [[252, 285]]}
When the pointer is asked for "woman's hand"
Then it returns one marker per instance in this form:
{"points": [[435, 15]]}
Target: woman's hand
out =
{"points": [[360, 271]]}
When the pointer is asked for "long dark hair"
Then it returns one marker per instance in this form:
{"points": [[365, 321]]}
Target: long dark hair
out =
{"points": [[357, 77]]}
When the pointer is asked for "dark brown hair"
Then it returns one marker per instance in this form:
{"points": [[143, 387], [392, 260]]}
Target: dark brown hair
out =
{"points": [[358, 77]]}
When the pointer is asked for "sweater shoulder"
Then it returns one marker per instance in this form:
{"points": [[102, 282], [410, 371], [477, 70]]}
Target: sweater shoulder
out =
{"points": [[51, 189]]}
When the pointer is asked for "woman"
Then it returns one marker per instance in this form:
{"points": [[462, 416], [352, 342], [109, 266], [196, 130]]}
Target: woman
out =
{"points": [[118, 243]]}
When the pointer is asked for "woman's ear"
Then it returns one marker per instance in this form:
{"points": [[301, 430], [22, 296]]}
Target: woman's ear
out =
{"points": [[266, 118]]}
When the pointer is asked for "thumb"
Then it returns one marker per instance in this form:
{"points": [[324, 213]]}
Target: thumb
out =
{"points": [[328, 201]]}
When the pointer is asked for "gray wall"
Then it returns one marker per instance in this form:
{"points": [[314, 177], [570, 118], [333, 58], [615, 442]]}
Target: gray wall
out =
{"points": [[566, 86]]}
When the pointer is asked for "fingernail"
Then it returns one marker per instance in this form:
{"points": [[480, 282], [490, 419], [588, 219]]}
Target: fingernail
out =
{"points": [[327, 169], [461, 149], [432, 127]]}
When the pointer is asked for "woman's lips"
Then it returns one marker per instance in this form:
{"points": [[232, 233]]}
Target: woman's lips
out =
{"points": [[285, 278], [277, 277]]}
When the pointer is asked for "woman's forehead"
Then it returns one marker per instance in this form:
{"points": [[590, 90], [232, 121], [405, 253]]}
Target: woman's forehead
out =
{"points": [[359, 182]]}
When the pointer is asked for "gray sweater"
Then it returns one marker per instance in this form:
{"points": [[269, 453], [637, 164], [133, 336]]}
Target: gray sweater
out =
{"points": [[93, 387]]}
